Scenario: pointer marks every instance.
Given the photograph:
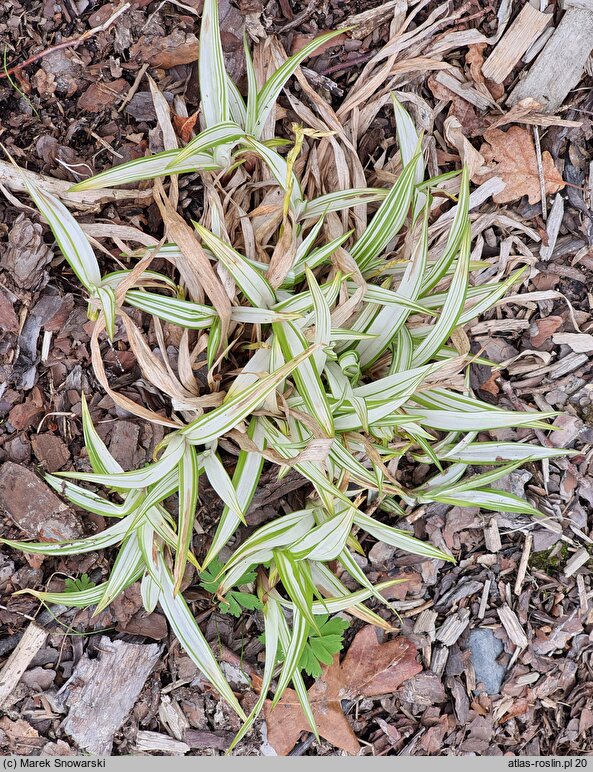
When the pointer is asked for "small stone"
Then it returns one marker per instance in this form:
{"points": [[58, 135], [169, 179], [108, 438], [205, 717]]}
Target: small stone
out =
{"points": [[514, 483], [381, 553], [39, 679], [569, 428], [19, 449], [485, 648], [542, 330]]}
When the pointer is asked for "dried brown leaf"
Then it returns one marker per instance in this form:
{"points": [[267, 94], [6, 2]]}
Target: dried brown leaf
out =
{"points": [[369, 669], [511, 156]]}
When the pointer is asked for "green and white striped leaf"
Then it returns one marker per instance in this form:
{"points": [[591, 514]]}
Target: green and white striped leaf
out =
{"points": [[293, 653], [399, 539], [219, 139], [222, 484], [447, 321], [245, 481], [268, 95], [323, 321], [70, 237], [271, 613], [150, 591], [214, 97], [213, 425], [251, 109], [341, 199], [106, 296], [480, 420], [101, 460], [253, 285], [126, 568], [92, 502], [488, 498], [188, 470], [79, 599], [296, 579], [497, 452], [386, 322], [142, 478], [183, 313], [456, 234], [305, 375], [297, 679], [147, 168], [191, 638], [326, 541], [388, 219], [107, 538]]}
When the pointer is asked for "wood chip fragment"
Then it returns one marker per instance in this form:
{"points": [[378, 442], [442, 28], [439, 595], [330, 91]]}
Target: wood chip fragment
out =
{"points": [[560, 65], [553, 227], [492, 536], [426, 622], [580, 343], [162, 743], [484, 599], [101, 692], [583, 598], [580, 557], [522, 570], [452, 628], [438, 661], [464, 90], [20, 659], [511, 624], [524, 31]]}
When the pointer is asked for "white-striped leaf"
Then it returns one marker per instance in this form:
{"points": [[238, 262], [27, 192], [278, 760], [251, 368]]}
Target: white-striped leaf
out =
{"points": [[188, 470], [213, 425], [268, 95], [212, 74], [190, 636], [253, 285], [70, 237], [147, 168]]}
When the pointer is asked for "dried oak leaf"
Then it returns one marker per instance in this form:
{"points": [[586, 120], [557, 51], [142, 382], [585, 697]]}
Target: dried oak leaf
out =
{"points": [[369, 669], [511, 156]]}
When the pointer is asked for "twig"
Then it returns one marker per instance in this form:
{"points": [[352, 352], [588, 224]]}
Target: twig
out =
{"points": [[522, 570], [540, 172], [73, 43]]}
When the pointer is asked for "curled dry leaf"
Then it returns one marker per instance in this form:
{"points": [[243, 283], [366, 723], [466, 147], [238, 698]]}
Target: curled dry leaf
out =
{"points": [[511, 156], [369, 669], [467, 152]]}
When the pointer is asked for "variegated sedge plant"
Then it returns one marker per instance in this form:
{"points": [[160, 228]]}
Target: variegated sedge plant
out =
{"points": [[346, 378]]}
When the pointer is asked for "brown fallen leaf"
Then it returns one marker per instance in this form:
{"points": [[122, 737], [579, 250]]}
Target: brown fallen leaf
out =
{"points": [[511, 156], [369, 669], [166, 52], [184, 126], [475, 59], [100, 96]]}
